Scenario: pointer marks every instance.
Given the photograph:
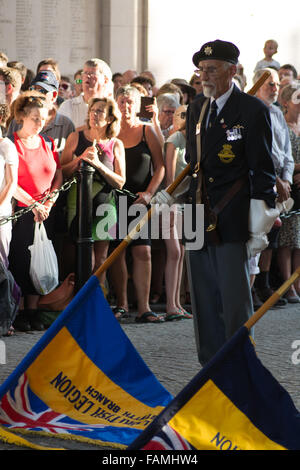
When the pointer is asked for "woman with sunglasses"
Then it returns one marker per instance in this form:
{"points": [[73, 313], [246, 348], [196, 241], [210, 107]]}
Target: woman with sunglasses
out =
{"points": [[39, 174]]}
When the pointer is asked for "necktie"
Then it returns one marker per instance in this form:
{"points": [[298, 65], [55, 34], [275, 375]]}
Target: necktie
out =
{"points": [[212, 114]]}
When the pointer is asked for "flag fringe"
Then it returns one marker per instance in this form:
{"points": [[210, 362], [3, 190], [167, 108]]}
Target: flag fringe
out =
{"points": [[10, 438]]}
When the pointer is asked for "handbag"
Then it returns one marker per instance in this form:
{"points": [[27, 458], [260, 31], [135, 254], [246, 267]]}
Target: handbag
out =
{"points": [[43, 269], [295, 195]]}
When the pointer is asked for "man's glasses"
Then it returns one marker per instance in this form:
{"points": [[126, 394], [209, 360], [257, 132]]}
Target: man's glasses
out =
{"points": [[183, 115], [89, 74], [211, 70], [78, 81]]}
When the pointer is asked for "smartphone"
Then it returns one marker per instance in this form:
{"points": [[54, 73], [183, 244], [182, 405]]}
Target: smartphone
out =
{"points": [[145, 115]]}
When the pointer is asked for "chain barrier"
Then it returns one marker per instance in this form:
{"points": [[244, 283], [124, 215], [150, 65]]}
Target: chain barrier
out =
{"points": [[65, 187], [289, 214]]}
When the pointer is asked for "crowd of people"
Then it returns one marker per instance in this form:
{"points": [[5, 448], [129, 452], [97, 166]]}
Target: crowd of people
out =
{"points": [[50, 123]]}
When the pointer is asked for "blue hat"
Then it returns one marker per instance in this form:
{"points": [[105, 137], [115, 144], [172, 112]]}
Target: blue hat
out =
{"points": [[217, 50], [47, 80]]}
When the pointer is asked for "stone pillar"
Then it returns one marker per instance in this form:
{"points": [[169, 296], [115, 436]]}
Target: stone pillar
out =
{"points": [[124, 30]]}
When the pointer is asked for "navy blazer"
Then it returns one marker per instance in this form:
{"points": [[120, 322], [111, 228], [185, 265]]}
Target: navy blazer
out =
{"points": [[239, 144]]}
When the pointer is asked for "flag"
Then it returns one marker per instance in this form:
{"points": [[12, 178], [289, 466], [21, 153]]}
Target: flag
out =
{"points": [[83, 379], [233, 403]]}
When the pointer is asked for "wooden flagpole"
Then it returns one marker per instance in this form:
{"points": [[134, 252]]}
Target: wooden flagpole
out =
{"points": [[273, 299]]}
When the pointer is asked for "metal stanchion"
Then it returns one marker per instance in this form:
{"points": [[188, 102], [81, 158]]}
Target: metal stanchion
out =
{"points": [[84, 244]]}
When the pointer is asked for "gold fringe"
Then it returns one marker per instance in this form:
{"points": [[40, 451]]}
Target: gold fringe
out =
{"points": [[11, 438], [67, 437]]}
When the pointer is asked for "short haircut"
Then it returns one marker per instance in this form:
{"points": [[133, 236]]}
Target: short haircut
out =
{"points": [[273, 41], [101, 65], [260, 72], [142, 80], [53, 64], [11, 76], [290, 67], [167, 99], [18, 66], [129, 90]]}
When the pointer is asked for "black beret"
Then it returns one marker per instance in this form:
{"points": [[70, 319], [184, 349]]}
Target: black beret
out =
{"points": [[217, 50]]}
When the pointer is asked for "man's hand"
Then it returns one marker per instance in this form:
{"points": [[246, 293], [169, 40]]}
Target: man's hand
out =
{"points": [[283, 188]]}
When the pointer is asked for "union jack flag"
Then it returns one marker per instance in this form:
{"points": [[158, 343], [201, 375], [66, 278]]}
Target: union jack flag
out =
{"points": [[16, 411], [168, 439]]}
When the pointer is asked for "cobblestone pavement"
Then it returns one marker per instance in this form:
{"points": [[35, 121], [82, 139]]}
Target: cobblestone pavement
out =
{"points": [[170, 352]]}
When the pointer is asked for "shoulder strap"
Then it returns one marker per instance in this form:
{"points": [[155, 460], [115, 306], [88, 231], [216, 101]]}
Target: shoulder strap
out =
{"points": [[197, 169], [48, 141]]}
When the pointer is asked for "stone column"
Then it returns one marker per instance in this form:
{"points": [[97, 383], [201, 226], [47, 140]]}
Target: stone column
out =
{"points": [[123, 37]]}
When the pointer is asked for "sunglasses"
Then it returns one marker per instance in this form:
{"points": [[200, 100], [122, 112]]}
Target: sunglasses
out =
{"points": [[64, 86], [78, 81], [183, 115]]}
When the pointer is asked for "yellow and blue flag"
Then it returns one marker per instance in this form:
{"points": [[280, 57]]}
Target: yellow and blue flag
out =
{"points": [[83, 379], [233, 403]]}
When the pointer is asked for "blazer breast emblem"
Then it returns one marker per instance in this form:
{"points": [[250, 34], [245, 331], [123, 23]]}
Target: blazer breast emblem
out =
{"points": [[226, 155]]}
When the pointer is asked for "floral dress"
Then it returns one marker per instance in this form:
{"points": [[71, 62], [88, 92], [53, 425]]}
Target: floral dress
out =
{"points": [[289, 235]]}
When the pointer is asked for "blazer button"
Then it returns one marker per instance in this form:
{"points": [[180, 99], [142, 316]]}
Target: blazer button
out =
{"points": [[211, 180]]}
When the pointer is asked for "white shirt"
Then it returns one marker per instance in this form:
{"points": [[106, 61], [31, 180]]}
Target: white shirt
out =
{"points": [[281, 145], [220, 102], [8, 156], [75, 109]]}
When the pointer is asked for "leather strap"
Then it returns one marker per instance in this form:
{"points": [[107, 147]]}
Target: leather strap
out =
{"points": [[229, 195], [197, 169]]}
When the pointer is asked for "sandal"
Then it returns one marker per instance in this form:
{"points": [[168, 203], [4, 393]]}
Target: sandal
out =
{"points": [[120, 312], [145, 318], [185, 313], [174, 316]]}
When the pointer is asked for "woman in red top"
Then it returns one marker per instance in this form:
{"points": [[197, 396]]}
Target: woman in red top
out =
{"points": [[39, 174]]}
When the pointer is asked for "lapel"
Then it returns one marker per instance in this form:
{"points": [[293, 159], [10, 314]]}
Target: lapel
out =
{"points": [[227, 117]]}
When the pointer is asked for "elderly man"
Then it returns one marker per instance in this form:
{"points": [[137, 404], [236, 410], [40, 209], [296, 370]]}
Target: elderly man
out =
{"points": [[229, 140], [96, 83], [284, 167], [233, 163]]}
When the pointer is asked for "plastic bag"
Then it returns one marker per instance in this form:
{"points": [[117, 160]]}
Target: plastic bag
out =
{"points": [[43, 265]]}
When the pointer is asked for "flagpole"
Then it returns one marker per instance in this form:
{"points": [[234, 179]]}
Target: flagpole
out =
{"points": [[128, 239], [272, 300], [123, 245]]}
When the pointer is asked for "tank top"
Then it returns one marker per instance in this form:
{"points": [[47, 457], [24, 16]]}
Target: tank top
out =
{"points": [[138, 166], [107, 158]]}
